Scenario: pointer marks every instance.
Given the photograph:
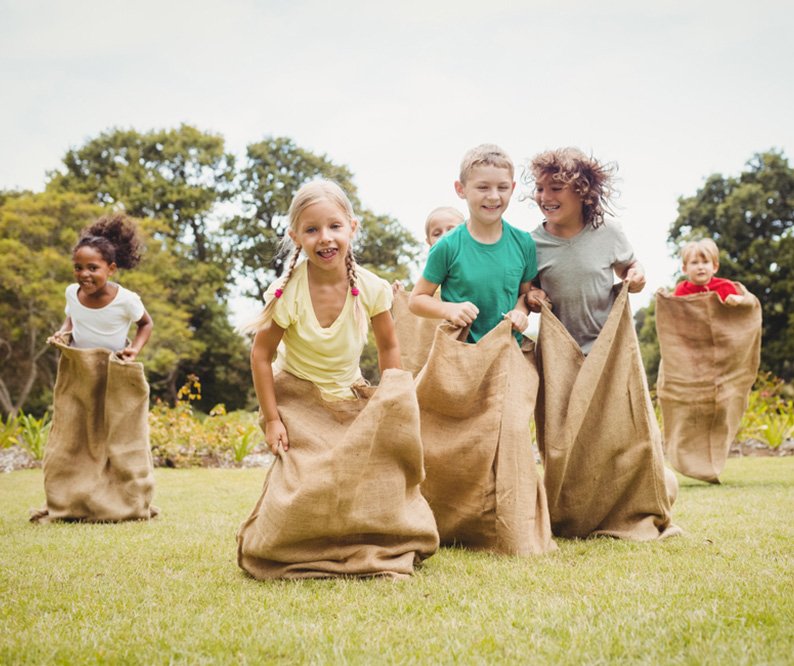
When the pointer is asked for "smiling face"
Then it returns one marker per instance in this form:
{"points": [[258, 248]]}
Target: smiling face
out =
{"points": [[699, 269], [560, 205], [487, 191], [324, 232], [91, 271]]}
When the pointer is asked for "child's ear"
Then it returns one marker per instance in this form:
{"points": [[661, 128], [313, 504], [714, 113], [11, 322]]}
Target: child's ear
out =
{"points": [[459, 189], [353, 225], [112, 268], [293, 236]]}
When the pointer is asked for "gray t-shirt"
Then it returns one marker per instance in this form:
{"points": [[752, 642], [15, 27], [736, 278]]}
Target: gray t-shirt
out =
{"points": [[577, 274]]}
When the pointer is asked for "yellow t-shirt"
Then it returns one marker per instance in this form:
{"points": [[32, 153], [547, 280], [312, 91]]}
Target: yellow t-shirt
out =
{"points": [[327, 357]]}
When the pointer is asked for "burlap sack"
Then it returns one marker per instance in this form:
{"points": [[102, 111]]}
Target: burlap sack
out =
{"points": [[97, 462], [599, 439], [476, 402], [710, 357], [415, 334], [344, 499]]}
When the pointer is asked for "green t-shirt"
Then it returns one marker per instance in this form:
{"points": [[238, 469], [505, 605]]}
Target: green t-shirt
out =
{"points": [[487, 275]]}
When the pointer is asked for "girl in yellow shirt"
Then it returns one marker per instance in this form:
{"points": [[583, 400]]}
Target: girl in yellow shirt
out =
{"points": [[314, 324]]}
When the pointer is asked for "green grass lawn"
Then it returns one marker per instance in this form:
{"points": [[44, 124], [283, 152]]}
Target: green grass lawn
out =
{"points": [[169, 590]]}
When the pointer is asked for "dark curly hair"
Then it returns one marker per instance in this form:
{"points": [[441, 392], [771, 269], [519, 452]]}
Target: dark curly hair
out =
{"points": [[115, 237], [589, 178]]}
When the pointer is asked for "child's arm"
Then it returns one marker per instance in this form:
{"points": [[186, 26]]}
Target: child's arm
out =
{"points": [[535, 298], [423, 304], [145, 326], [66, 327], [634, 275], [519, 315], [386, 341], [262, 353]]}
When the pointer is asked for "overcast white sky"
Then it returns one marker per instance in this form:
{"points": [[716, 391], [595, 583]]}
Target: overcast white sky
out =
{"points": [[672, 90]]}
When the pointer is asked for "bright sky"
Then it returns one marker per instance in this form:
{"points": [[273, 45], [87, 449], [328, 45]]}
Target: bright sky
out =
{"points": [[672, 90]]}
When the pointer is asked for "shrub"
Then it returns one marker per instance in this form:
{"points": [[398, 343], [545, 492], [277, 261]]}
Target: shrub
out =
{"points": [[183, 437], [34, 433], [9, 431], [769, 416]]}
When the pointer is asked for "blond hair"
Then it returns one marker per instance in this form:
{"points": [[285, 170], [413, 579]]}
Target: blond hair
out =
{"points": [[486, 154], [307, 195], [590, 179], [438, 211], [705, 247]]}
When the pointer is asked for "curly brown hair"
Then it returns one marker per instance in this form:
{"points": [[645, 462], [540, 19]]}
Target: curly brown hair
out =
{"points": [[590, 179], [115, 237]]}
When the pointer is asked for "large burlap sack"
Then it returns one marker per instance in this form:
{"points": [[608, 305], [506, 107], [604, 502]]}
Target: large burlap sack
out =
{"points": [[598, 436], [482, 483], [344, 500], [97, 462], [415, 334], [710, 357]]}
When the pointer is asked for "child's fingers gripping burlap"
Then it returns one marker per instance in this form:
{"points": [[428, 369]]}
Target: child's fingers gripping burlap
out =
{"points": [[97, 462], [344, 500], [710, 358], [477, 402], [598, 435]]}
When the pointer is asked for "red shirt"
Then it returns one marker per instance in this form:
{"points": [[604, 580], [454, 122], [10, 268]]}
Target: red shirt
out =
{"points": [[723, 287]]}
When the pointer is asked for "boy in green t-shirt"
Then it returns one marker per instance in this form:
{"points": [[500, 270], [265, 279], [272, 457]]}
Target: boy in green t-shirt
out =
{"points": [[484, 266]]}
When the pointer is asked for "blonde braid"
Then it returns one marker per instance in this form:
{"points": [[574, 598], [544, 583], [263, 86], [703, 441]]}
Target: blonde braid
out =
{"points": [[267, 313], [352, 279]]}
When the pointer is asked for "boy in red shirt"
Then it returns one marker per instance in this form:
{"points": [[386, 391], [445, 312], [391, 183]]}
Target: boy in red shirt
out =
{"points": [[701, 260]]}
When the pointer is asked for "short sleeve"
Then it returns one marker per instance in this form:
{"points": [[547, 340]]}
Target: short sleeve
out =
{"points": [[531, 255], [624, 253], [281, 311], [135, 307], [381, 298], [437, 266]]}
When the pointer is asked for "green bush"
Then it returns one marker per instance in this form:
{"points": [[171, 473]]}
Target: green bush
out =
{"points": [[183, 437], [769, 416], [9, 431], [34, 433]]}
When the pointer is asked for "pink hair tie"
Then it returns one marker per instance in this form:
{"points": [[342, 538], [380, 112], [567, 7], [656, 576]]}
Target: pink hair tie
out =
{"points": [[355, 291], [278, 293]]}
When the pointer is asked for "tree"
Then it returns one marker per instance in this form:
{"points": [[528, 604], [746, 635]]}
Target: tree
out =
{"points": [[178, 176], [751, 218], [36, 234]]}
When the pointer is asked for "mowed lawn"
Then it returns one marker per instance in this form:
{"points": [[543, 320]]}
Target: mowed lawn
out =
{"points": [[169, 590]]}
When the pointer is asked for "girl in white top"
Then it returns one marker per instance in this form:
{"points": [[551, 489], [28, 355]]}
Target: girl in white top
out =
{"points": [[315, 318], [99, 313]]}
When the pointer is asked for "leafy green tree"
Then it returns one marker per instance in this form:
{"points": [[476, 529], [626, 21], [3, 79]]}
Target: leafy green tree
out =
{"points": [[177, 175], [36, 234], [751, 218]]}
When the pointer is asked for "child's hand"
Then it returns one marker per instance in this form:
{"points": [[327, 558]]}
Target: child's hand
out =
{"points": [[129, 353], [275, 434], [518, 319], [58, 336], [396, 286], [461, 314], [635, 277], [734, 299], [534, 298]]}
